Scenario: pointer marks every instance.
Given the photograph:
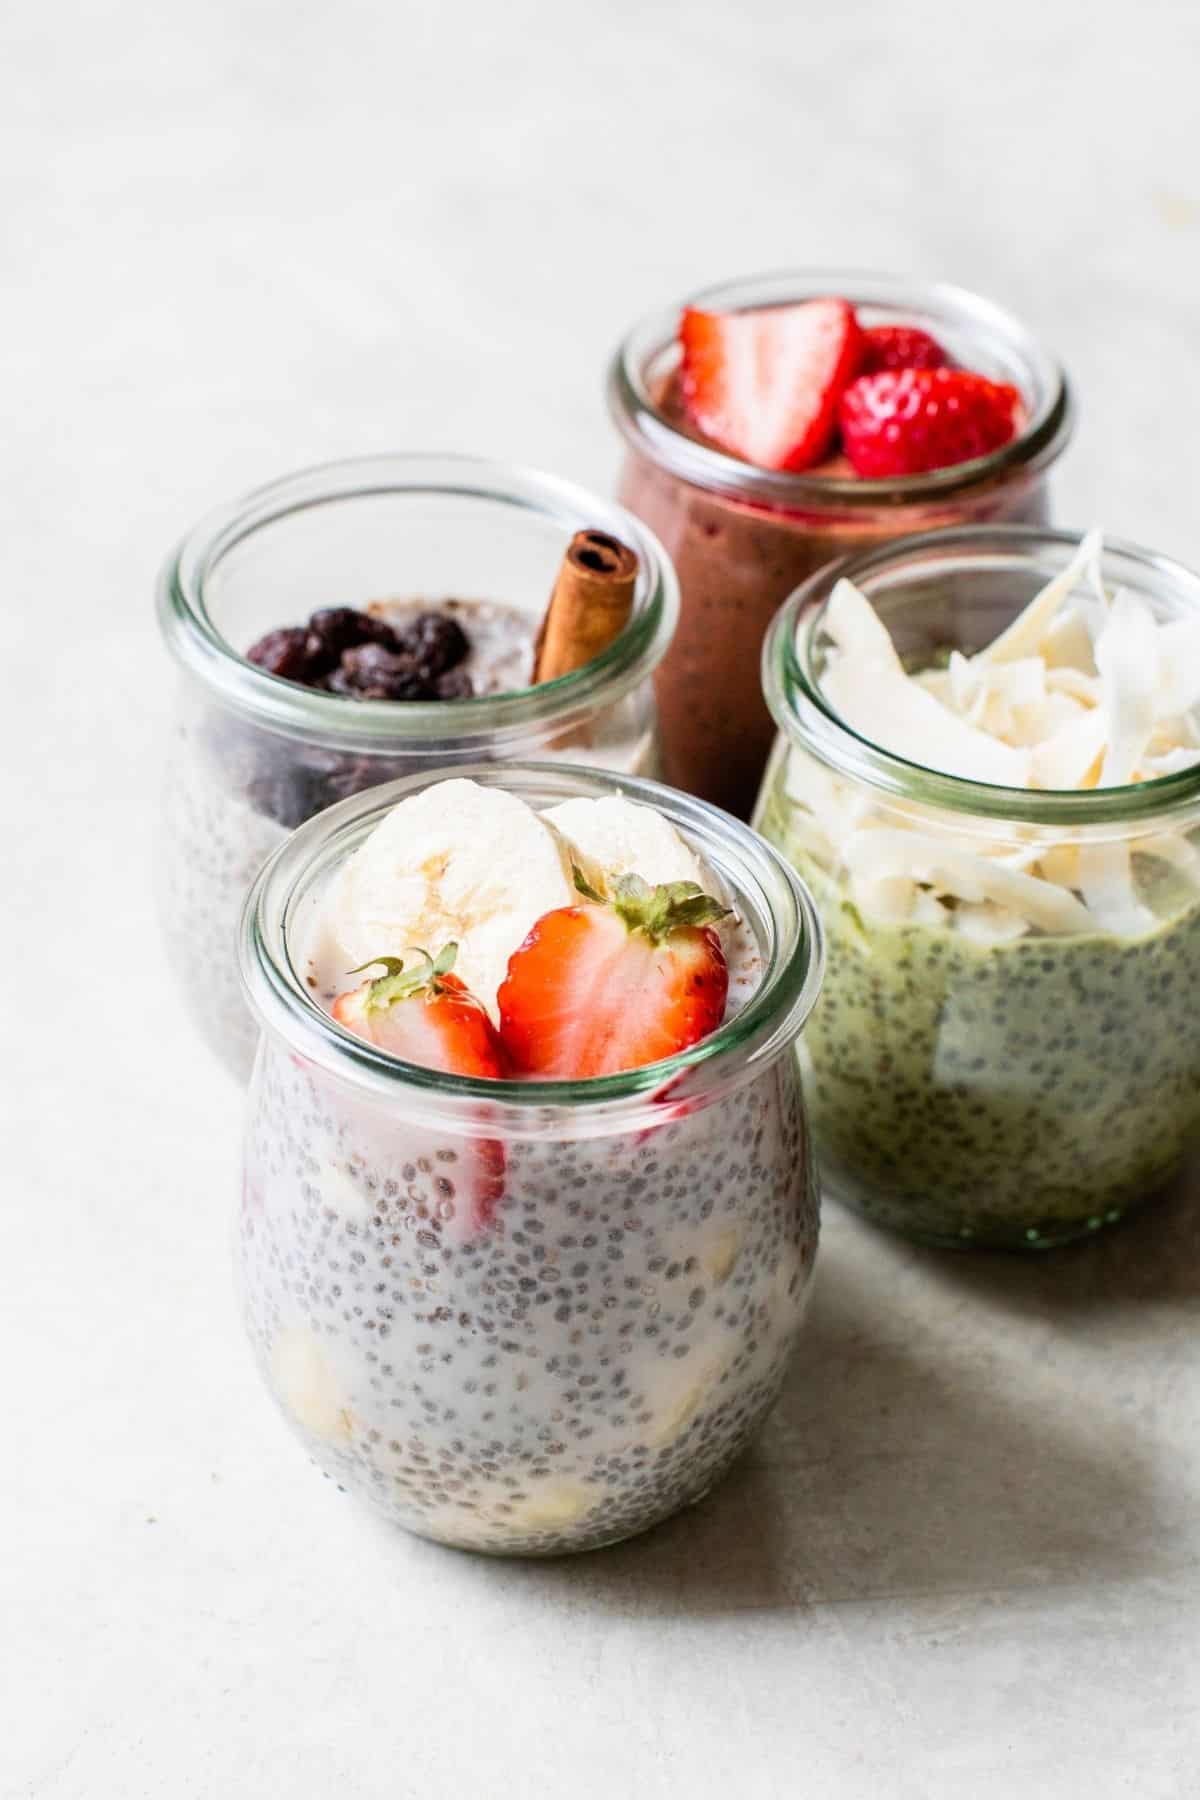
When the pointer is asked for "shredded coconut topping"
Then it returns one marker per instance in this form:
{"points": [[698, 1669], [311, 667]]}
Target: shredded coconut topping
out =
{"points": [[1085, 689]]}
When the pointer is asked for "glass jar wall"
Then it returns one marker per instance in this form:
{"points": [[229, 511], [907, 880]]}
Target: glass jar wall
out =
{"points": [[252, 756], [743, 538], [527, 1317], [1007, 1051]]}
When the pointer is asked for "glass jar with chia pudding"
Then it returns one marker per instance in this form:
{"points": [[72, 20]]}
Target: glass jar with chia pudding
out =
{"points": [[526, 1316], [1007, 1050], [260, 743], [743, 537]]}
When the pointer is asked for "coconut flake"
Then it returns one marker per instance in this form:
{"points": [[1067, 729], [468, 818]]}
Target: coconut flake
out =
{"points": [[1073, 753], [837, 806], [1081, 690], [1127, 656], [899, 715], [1170, 847], [1106, 883], [889, 901], [1024, 636], [989, 924], [948, 869], [1170, 762], [1067, 643], [855, 627], [1073, 682]]}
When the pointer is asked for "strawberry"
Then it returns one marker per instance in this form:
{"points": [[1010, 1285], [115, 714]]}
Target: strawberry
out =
{"points": [[907, 421], [425, 1015], [900, 347], [765, 384], [615, 984]]}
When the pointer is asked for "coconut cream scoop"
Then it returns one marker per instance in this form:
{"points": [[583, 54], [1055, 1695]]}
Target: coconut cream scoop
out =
{"points": [[1087, 689]]}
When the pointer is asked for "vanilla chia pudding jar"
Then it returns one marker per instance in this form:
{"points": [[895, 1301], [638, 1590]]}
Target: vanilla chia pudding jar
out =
{"points": [[1007, 1048], [574, 1357], [251, 755]]}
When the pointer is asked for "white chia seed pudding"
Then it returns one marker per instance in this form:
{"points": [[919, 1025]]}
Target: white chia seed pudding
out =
{"points": [[252, 756], [528, 1317]]}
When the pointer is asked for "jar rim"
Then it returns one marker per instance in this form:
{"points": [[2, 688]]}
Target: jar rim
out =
{"points": [[203, 651], [932, 304], [794, 694], [754, 1037]]}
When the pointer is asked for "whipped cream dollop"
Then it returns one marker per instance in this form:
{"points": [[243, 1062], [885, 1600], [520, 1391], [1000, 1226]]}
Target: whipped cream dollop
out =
{"points": [[477, 866], [1086, 689]]}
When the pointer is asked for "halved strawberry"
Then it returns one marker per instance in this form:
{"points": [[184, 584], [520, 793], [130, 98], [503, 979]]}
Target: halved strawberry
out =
{"points": [[765, 383], [613, 985], [908, 421], [425, 1015], [900, 347]]}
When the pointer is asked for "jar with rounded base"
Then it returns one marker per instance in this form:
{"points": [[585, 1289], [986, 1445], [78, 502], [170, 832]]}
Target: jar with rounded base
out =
{"points": [[527, 1317], [742, 538], [251, 756], [1007, 1049]]}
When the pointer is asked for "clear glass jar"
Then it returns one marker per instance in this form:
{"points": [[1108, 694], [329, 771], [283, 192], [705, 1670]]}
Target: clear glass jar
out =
{"points": [[743, 538], [252, 756], [567, 1366], [966, 1090]]}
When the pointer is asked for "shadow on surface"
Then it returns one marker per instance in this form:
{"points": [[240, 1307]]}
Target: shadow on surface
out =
{"points": [[1153, 1255], [915, 1452]]}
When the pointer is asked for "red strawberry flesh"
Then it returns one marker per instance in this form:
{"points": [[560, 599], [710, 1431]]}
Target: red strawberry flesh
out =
{"points": [[765, 383], [597, 989], [911, 421], [900, 347], [424, 1015]]}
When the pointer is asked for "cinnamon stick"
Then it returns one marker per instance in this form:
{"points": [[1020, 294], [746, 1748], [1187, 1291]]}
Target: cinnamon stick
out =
{"points": [[590, 605]]}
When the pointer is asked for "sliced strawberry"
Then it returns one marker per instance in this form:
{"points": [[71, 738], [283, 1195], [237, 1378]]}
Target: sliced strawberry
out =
{"points": [[765, 384], [613, 985], [908, 421], [900, 347], [425, 1015]]}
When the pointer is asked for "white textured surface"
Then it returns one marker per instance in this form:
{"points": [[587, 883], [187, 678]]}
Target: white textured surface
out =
{"points": [[241, 237]]}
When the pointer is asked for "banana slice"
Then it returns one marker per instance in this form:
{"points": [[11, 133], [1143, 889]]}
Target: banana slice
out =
{"points": [[621, 838], [455, 863]]}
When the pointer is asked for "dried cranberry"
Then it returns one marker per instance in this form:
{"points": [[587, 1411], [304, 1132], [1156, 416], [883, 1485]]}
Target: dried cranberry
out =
{"points": [[283, 653], [455, 684], [437, 641]]}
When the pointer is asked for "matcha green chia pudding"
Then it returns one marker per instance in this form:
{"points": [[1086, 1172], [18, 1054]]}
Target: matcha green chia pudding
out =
{"points": [[988, 773]]}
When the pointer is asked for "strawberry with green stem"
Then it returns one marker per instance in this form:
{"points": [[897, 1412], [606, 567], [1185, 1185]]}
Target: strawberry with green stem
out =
{"points": [[615, 983]]}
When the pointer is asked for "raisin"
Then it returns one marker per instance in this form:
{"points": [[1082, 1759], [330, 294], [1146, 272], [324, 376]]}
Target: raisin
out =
{"points": [[438, 643], [369, 672], [283, 653], [455, 684]]}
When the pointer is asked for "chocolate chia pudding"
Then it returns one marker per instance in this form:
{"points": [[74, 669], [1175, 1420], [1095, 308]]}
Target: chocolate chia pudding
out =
{"points": [[1007, 1049], [526, 1316], [259, 746], [743, 537]]}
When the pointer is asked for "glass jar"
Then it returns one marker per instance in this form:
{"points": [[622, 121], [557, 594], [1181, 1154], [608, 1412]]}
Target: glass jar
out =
{"points": [[526, 1317], [1014, 1082], [252, 756], [743, 538]]}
